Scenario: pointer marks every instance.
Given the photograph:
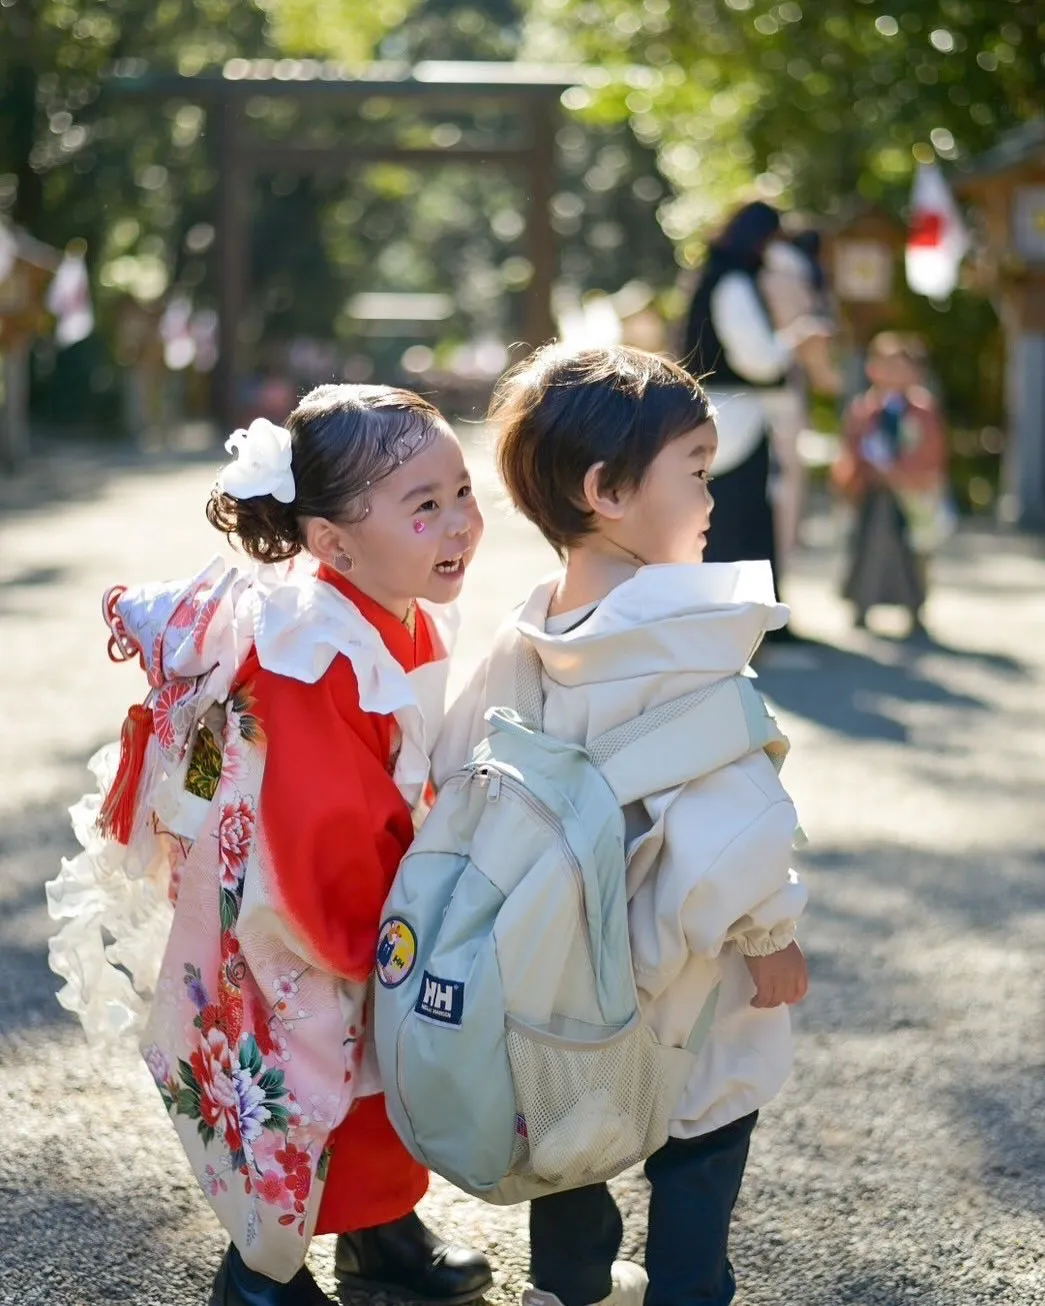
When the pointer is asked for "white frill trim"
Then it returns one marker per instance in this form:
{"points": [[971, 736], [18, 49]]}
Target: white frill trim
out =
{"points": [[114, 900], [301, 624]]}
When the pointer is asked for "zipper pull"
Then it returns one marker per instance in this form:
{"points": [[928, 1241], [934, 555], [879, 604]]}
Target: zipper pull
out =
{"points": [[490, 782]]}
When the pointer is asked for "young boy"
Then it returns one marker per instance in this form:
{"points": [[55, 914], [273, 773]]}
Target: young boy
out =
{"points": [[608, 452], [893, 466]]}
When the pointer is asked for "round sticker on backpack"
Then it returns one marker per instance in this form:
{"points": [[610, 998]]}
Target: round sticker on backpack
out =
{"points": [[396, 952]]}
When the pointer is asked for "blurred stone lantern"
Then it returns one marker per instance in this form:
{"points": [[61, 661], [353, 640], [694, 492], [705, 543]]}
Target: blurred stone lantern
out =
{"points": [[1006, 188], [863, 259], [863, 255], [26, 270]]}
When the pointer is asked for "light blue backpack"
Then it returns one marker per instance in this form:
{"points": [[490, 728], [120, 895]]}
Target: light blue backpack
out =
{"points": [[514, 1057]]}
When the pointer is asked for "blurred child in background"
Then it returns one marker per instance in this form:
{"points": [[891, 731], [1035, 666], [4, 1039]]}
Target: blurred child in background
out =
{"points": [[893, 467]]}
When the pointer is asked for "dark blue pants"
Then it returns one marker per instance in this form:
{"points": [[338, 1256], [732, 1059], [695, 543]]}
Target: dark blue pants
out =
{"points": [[575, 1236]]}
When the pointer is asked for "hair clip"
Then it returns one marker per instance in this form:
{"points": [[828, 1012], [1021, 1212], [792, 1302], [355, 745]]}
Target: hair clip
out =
{"points": [[261, 464]]}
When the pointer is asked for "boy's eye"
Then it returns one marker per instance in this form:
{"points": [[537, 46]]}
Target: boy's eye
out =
{"points": [[704, 476], [465, 492]]}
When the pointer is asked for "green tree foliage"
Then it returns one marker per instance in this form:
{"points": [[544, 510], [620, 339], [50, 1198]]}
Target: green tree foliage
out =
{"points": [[820, 100], [348, 30]]}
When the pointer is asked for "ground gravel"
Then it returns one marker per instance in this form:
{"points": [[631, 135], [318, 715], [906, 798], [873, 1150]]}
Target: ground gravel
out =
{"points": [[904, 1162]]}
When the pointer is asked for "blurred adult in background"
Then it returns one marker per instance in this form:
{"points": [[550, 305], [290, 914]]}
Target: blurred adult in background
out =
{"points": [[893, 467], [730, 342], [794, 287]]}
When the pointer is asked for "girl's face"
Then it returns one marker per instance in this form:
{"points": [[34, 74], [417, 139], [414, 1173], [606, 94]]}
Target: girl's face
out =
{"points": [[421, 532], [666, 518]]}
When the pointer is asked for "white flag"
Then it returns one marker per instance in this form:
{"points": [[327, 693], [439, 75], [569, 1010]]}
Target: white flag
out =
{"points": [[937, 239], [69, 299]]}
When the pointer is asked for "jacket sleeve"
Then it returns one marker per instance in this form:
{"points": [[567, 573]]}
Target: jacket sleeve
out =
{"points": [[717, 879], [749, 896], [335, 825]]}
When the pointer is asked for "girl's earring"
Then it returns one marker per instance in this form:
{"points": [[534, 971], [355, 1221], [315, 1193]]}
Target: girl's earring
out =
{"points": [[343, 562]]}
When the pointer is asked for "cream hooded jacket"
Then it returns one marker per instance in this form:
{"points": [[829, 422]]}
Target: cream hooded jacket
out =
{"points": [[709, 877]]}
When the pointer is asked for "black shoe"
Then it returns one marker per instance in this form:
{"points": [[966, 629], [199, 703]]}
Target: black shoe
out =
{"points": [[407, 1259], [238, 1285]]}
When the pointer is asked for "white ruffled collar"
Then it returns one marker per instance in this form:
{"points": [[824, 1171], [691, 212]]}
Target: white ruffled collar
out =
{"points": [[301, 623]]}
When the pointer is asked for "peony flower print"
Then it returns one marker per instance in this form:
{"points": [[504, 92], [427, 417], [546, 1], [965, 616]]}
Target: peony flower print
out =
{"points": [[230, 1093], [156, 1060], [235, 835]]}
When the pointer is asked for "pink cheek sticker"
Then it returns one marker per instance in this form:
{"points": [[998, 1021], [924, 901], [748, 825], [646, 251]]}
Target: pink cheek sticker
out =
{"points": [[419, 527]]}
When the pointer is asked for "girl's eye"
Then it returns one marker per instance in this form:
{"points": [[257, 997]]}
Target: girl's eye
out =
{"points": [[429, 505], [465, 492], [705, 476]]}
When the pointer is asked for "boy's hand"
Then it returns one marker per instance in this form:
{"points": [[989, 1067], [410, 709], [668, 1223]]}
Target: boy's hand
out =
{"points": [[780, 978]]}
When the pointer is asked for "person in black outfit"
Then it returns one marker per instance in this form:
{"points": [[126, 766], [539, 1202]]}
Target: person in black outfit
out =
{"points": [[731, 345]]}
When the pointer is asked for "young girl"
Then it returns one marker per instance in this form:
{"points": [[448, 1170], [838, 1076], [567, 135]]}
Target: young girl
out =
{"points": [[260, 807], [893, 466], [607, 451]]}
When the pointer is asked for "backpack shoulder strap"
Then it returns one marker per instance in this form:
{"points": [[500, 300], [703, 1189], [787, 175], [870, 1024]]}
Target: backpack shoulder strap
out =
{"points": [[687, 738], [514, 661]]}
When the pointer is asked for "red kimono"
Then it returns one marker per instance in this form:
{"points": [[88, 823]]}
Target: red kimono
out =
{"points": [[262, 803], [329, 767]]}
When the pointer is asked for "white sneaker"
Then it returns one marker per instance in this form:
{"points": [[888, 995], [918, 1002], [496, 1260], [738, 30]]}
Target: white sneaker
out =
{"points": [[629, 1288]]}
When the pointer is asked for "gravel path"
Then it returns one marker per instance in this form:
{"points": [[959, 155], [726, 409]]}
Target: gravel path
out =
{"points": [[905, 1161]]}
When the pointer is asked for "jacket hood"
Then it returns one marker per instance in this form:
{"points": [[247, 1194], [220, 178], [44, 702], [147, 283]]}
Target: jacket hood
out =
{"points": [[704, 619]]}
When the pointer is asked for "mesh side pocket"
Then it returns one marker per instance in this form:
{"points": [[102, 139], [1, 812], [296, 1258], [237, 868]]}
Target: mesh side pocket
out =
{"points": [[588, 1111]]}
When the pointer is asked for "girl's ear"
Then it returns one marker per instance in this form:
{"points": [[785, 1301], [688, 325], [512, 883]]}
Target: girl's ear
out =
{"points": [[603, 503], [322, 539]]}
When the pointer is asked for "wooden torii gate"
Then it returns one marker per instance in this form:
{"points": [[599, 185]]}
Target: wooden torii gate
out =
{"points": [[534, 92]]}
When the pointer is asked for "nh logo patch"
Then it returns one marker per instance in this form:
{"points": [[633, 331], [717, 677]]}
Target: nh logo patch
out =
{"points": [[440, 999]]}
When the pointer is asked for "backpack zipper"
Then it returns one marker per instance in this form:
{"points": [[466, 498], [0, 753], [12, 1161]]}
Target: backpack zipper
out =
{"points": [[491, 780]]}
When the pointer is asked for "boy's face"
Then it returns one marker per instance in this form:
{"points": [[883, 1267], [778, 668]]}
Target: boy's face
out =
{"points": [[665, 519]]}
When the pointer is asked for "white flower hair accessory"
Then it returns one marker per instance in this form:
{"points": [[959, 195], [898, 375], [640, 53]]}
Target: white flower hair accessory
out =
{"points": [[261, 465]]}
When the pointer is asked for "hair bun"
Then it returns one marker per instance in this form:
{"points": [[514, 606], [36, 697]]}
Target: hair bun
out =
{"points": [[265, 529]]}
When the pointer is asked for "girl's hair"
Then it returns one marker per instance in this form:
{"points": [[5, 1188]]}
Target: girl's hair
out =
{"points": [[563, 410], [344, 439]]}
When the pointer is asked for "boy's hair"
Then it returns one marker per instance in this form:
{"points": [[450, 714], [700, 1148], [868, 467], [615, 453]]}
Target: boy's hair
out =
{"points": [[563, 410], [898, 344], [344, 439]]}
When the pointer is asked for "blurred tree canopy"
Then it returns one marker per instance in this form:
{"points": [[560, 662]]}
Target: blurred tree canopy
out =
{"points": [[137, 177], [685, 103], [818, 101]]}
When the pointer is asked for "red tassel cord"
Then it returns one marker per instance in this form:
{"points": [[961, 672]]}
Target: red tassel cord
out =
{"points": [[116, 818]]}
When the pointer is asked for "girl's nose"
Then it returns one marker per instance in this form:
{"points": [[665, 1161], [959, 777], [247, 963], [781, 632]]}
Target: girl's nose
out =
{"points": [[463, 522]]}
